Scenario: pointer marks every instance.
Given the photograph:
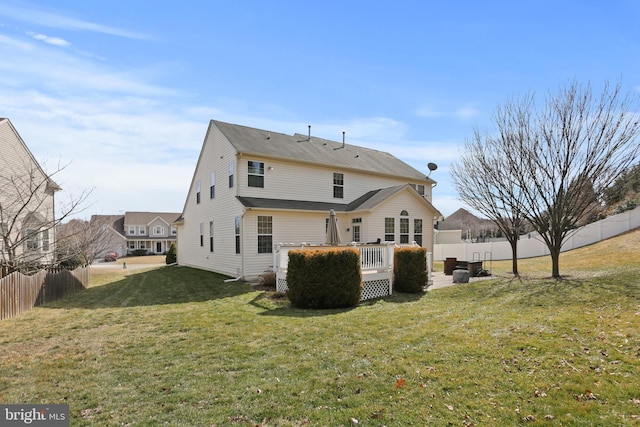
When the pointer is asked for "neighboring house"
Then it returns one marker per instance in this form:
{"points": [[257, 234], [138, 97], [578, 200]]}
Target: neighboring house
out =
{"points": [[253, 189], [152, 232], [27, 203]]}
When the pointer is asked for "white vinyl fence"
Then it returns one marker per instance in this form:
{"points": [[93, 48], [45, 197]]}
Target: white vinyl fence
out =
{"points": [[533, 246]]}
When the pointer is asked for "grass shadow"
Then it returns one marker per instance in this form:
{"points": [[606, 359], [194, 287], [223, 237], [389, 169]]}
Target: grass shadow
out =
{"points": [[164, 285], [281, 306]]}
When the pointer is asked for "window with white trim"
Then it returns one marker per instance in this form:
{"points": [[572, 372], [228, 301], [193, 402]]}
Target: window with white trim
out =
{"points": [[389, 230], [132, 230], [210, 236], [237, 234], [158, 230], [265, 234], [338, 185], [31, 239], [174, 231], [404, 227], [142, 230], [212, 185], [417, 231], [231, 174], [45, 240], [255, 174], [198, 192], [201, 234]]}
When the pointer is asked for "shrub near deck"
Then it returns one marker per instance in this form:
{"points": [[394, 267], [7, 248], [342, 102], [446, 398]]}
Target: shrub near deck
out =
{"points": [[410, 269], [324, 278]]}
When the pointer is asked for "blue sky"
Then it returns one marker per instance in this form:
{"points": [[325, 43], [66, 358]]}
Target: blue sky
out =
{"points": [[121, 93]]}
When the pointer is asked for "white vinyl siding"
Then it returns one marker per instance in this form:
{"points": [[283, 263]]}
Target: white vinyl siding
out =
{"points": [[216, 156], [236, 228], [212, 185], [18, 161], [293, 181]]}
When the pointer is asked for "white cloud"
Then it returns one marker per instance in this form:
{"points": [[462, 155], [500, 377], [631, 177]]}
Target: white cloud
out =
{"points": [[56, 20], [465, 112], [56, 41], [13, 43]]}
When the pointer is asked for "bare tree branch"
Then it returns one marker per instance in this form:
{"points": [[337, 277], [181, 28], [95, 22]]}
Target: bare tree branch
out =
{"points": [[552, 165]]}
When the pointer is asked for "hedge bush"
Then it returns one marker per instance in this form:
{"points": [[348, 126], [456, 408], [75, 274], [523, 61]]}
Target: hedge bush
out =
{"points": [[172, 254], [409, 269], [319, 278]]}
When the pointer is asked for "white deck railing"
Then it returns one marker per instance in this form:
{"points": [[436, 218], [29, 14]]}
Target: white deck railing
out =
{"points": [[376, 264]]}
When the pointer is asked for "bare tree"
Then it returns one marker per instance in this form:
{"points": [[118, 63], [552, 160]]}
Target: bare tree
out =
{"points": [[563, 157], [485, 181], [28, 216], [81, 242]]}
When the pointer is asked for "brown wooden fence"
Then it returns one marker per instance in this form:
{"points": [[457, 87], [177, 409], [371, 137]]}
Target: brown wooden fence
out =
{"points": [[20, 293]]}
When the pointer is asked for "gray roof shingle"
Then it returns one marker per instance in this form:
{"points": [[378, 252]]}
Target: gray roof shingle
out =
{"points": [[316, 151]]}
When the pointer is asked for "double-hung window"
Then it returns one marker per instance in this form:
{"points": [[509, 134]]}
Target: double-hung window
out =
{"points": [[255, 174], [231, 174], [45, 240], [404, 227], [417, 231], [212, 185], [210, 236], [265, 234], [198, 192], [389, 229], [31, 241], [237, 233], [338, 185]]}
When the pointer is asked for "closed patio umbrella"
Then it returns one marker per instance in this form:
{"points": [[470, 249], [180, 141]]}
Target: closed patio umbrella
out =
{"points": [[333, 235]]}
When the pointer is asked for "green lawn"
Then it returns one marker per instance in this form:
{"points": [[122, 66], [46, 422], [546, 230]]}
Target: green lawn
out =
{"points": [[178, 346]]}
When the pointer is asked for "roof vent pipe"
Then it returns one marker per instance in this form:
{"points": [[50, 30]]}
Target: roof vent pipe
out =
{"points": [[309, 138], [342, 139]]}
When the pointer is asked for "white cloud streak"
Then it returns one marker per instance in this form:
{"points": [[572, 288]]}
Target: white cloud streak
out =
{"points": [[51, 19], [56, 41]]}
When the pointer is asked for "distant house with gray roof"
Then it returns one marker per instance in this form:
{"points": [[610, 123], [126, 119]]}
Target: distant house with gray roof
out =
{"points": [[253, 189], [137, 232]]}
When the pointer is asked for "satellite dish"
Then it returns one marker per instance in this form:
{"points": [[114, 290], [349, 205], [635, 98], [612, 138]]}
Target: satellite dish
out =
{"points": [[432, 166]]}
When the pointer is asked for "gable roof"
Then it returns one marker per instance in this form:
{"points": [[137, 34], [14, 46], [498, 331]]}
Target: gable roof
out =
{"points": [[146, 218], [367, 201], [317, 151], [51, 184]]}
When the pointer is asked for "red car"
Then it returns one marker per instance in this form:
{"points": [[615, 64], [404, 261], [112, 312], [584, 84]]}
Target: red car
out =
{"points": [[111, 256]]}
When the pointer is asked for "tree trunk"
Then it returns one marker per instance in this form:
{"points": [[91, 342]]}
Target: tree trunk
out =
{"points": [[514, 257], [555, 263]]}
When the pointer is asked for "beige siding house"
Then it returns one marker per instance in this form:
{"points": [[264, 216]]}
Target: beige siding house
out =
{"points": [[253, 189], [150, 232], [27, 203]]}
